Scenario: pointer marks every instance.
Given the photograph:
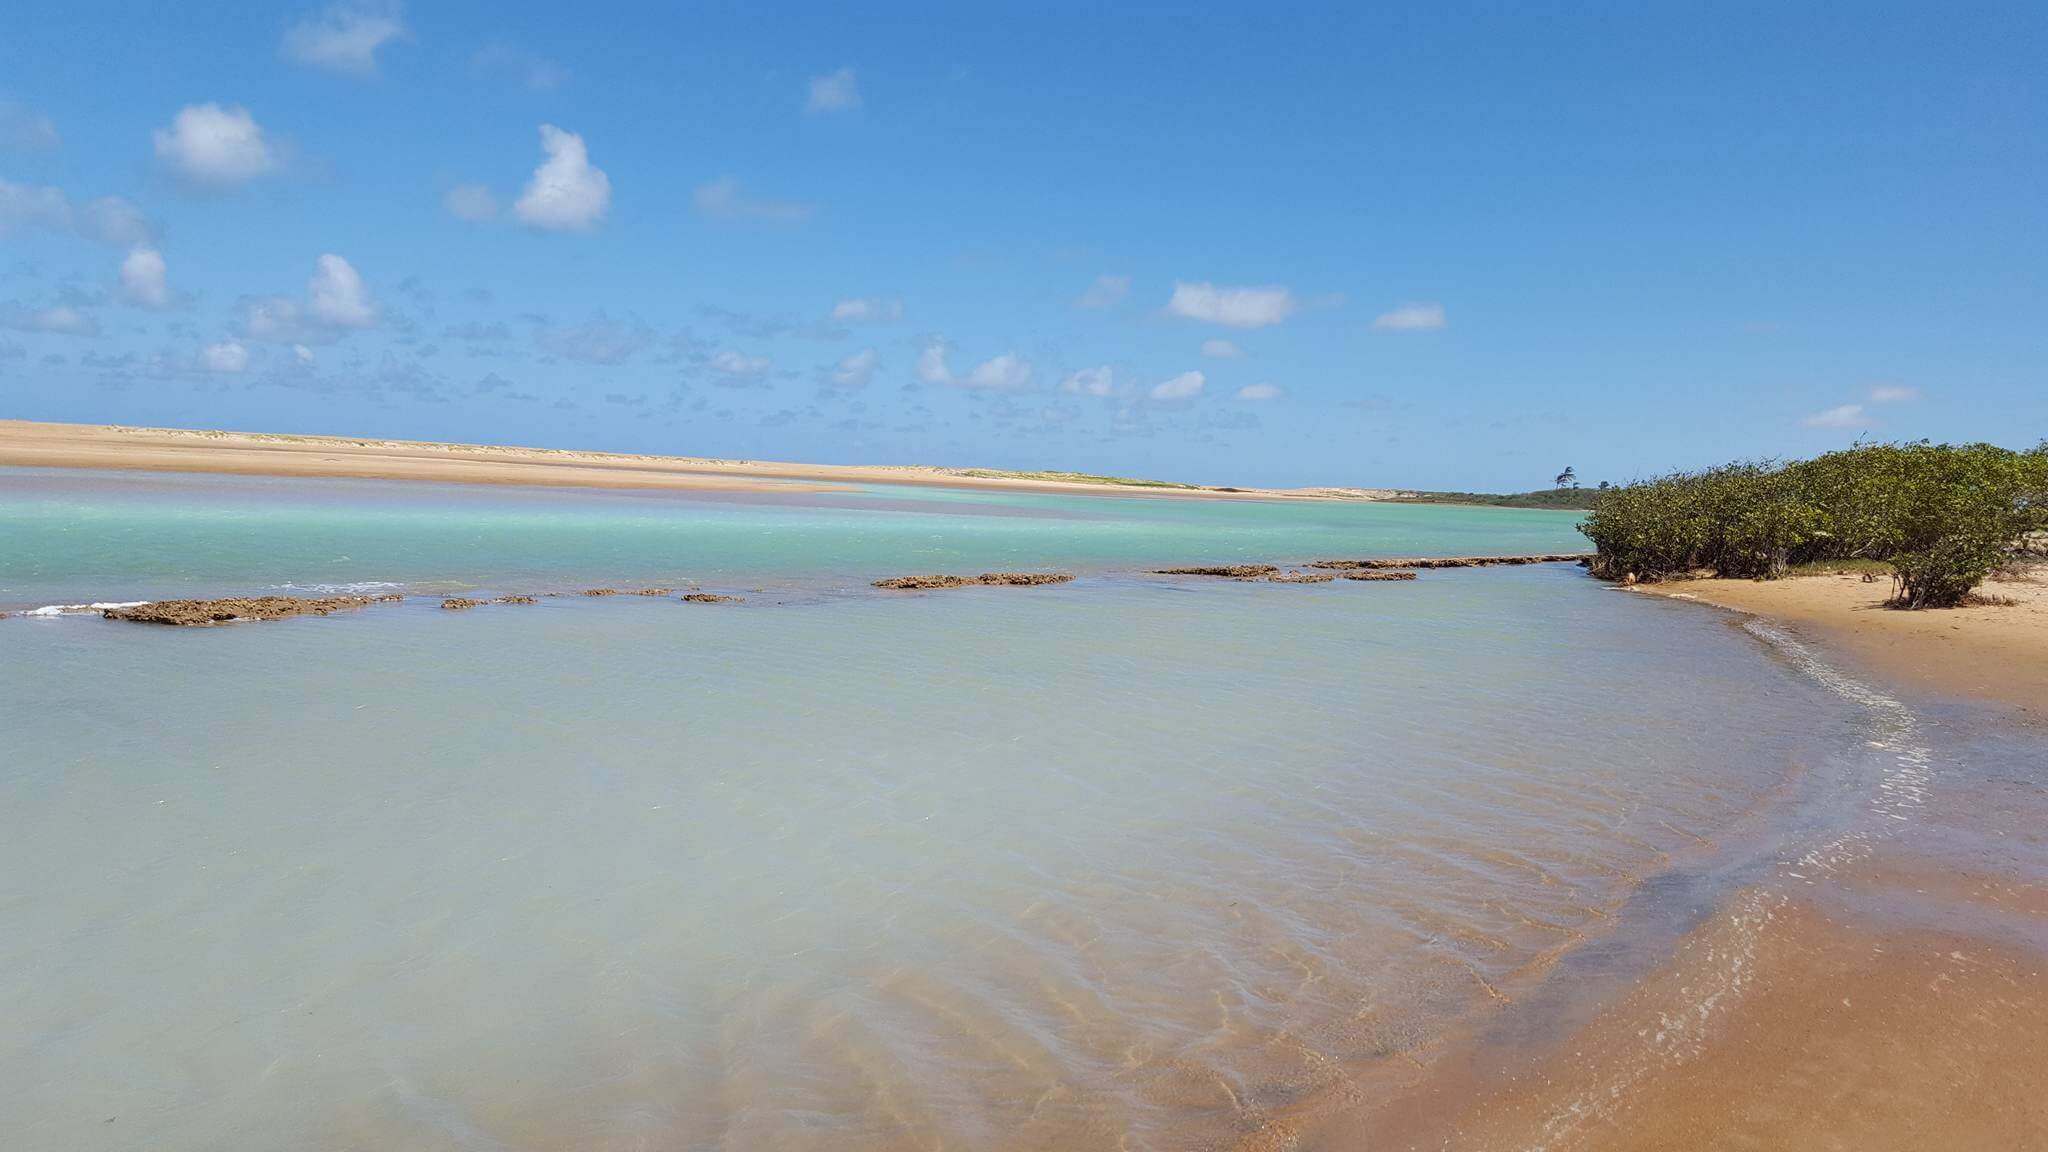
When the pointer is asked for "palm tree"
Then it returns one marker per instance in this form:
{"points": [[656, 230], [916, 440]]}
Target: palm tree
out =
{"points": [[1568, 478]]}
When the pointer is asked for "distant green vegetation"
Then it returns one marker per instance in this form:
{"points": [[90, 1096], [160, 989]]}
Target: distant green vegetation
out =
{"points": [[1069, 477], [1939, 515], [1569, 498]]}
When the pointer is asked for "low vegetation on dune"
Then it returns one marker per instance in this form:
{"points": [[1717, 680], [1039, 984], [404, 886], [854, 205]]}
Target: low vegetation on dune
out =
{"points": [[1071, 478], [1941, 516], [1569, 498]]}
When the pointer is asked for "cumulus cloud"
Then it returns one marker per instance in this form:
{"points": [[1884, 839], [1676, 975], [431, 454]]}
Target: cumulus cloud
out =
{"points": [[931, 364], [143, 278], [1221, 350], [1106, 292], [1000, 372], [874, 310], [214, 147], [336, 301], [530, 71], [345, 37], [735, 366], [1091, 382], [1841, 416], [58, 320], [1412, 318], [338, 295], [721, 199], [228, 356], [856, 370], [107, 220], [23, 129], [1893, 394], [834, 92], [566, 192], [1185, 386], [1231, 307], [1259, 392]]}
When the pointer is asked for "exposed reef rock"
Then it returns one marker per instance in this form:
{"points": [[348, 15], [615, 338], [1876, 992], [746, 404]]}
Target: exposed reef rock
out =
{"points": [[1233, 571], [189, 613], [1458, 561], [600, 592], [654, 592], [455, 602], [711, 598], [1290, 578], [1006, 579], [1378, 574], [513, 600]]}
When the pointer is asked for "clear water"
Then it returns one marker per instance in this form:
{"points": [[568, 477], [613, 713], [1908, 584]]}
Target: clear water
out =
{"points": [[1122, 863], [80, 536]]}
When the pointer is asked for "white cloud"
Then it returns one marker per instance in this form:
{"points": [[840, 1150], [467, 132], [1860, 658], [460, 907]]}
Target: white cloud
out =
{"points": [[721, 199], [338, 295], [1091, 382], [530, 71], [865, 311], [143, 280], [60, 320], [566, 192], [834, 92], [336, 301], [1231, 307], [1893, 394], [599, 340], [472, 202], [734, 366], [1000, 372], [1185, 386], [1106, 292], [23, 129], [1259, 392], [931, 364], [1221, 350], [214, 147], [302, 354], [856, 370], [345, 37], [1842, 416], [1412, 318], [229, 356], [108, 220]]}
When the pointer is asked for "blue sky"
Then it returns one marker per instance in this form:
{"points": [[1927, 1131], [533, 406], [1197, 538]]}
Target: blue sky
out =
{"points": [[1447, 245]]}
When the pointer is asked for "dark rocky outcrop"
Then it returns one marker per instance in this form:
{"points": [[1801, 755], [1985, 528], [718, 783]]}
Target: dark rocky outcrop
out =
{"points": [[654, 592], [711, 598], [1290, 578], [1001, 579], [1378, 574], [455, 602], [189, 613], [1233, 571], [1457, 561], [600, 592], [513, 600]]}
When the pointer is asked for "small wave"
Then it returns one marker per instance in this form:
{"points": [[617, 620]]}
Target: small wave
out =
{"points": [[354, 588], [50, 610]]}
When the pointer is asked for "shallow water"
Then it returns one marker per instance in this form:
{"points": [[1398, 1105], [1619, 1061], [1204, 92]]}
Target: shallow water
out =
{"points": [[1122, 863], [73, 537]]}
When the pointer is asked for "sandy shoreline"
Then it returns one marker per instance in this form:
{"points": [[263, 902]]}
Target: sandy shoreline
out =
{"points": [[105, 446], [1996, 653]]}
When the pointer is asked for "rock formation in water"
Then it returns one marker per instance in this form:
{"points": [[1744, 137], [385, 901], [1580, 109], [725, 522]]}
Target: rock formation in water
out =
{"points": [[654, 592], [513, 600], [189, 613], [1457, 561], [711, 598], [1290, 578], [1233, 571], [600, 592], [1003, 579], [455, 602], [1378, 574]]}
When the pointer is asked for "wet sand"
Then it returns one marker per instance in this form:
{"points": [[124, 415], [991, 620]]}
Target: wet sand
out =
{"points": [[1896, 1002], [30, 444], [1990, 652]]}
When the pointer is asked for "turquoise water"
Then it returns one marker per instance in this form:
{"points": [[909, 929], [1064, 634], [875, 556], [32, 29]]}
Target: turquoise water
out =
{"points": [[1126, 863], [81, 536]]}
